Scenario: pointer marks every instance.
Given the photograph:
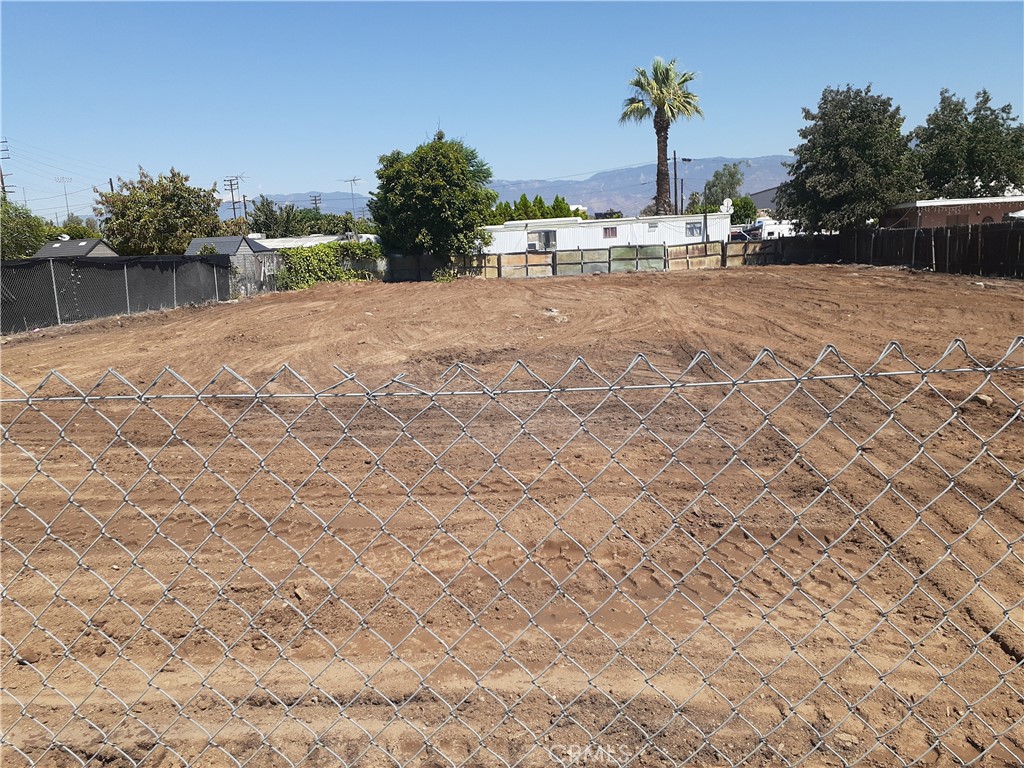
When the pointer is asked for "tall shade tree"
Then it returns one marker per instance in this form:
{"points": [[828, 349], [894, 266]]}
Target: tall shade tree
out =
{"points": [[663, 95], [854, 164], [725, 182], [976, 153], [157, 216], [75, 228], [433, 200], [275, 220], [23, 233]]}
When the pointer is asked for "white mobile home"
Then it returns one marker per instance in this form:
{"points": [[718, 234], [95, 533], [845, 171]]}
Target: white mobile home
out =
{"points": [[570, 234]]}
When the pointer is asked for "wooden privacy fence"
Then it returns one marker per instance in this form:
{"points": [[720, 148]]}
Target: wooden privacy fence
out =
{"points": [[995, 249], [987, 249], [626, 258]]}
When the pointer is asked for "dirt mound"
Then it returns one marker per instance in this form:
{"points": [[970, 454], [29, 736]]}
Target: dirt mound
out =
{"points": [[380, 330]]}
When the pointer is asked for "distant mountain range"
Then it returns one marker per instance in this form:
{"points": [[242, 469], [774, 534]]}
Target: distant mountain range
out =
{"points": [[630, 189], [627, 189]]}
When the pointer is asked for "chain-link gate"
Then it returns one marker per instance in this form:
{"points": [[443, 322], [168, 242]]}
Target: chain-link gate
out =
{"points": [[817, 567]]}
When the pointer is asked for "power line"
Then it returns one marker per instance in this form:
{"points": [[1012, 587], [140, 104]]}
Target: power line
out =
{"points": [[20, 145], [51, 197]]}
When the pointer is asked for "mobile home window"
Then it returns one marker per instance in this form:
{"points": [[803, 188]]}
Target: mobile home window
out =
{"points": [[611, 231], [694, 229]]}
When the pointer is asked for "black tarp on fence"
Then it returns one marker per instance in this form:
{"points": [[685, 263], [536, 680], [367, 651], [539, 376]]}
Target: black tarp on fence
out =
{"points": [[41, 292]]}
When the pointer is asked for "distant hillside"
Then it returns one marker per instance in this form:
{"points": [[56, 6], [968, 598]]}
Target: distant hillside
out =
{"points": [[627, 190], [630, 189]]}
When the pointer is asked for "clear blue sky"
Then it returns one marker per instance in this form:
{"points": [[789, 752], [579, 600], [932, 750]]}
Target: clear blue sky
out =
{"points": [[297, 96]]}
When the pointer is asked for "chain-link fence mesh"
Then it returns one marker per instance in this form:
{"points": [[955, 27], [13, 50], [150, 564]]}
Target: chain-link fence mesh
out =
{"points": [[254, 273], [42, 292], [817, 567]]}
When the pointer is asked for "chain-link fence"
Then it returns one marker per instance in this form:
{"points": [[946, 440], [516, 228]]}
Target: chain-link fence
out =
{"points": [[43, 292], [254, 273], [808, 567]]}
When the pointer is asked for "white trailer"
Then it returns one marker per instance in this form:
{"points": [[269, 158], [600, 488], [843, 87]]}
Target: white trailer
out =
{"points": [[569, 234]]}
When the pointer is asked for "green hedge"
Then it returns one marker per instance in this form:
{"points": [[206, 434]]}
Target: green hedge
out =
{"points": [[342, 261]]}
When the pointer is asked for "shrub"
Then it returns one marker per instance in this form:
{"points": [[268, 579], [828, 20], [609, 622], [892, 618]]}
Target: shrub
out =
{"points": [[445, 275], [342, 261]]}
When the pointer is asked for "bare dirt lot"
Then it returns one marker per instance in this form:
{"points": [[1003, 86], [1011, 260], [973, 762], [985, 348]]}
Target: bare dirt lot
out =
{"points": [[470, 566]]}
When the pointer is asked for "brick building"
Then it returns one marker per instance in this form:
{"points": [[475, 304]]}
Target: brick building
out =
{"points": [[925, 214]]}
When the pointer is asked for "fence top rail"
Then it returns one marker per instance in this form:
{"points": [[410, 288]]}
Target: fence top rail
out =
{"points": [[221, 260], [461, 379]]}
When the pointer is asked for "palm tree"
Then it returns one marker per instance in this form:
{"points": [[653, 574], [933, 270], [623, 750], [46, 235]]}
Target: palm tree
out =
{"points": [[663, 95]]}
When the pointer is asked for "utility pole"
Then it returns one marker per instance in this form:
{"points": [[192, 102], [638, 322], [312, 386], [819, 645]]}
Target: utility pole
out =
{"points": [[315, 199], [64, 181], [232, 185], [677, 186], [245, 208], [705, 207], [5, 154], [352, 190]]}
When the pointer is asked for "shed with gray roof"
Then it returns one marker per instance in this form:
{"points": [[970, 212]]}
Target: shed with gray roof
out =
{"points": [[75, 249], [253, 265]]}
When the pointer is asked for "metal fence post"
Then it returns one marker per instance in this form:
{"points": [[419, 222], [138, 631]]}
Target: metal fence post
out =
{"points": [[56, 301], [127, 296], [809, 609]]}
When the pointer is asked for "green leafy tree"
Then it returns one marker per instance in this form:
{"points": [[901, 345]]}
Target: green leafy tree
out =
{"points": [[854, 163], [695, 204], [289, 222], [996, 159], [335, 224], [75, 228], [434, 199], [559, 208], [523, 210], [22, 233], [725, 182], [154, 216], [976, 153], [662, 95], [309, 221], [236, 226], [744, 210], [942, 146], [275, 220], [366, 226], [263, 216], [503, 212]]}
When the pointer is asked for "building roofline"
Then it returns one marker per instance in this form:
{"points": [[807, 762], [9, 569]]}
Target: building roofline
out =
{"points": [[961, 201]]}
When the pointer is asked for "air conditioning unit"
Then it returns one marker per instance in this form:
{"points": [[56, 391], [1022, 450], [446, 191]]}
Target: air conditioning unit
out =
{"points": [[533, 246]]}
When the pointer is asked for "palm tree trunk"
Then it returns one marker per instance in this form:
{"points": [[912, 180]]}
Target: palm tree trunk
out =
{"points": [[663, 193]]}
